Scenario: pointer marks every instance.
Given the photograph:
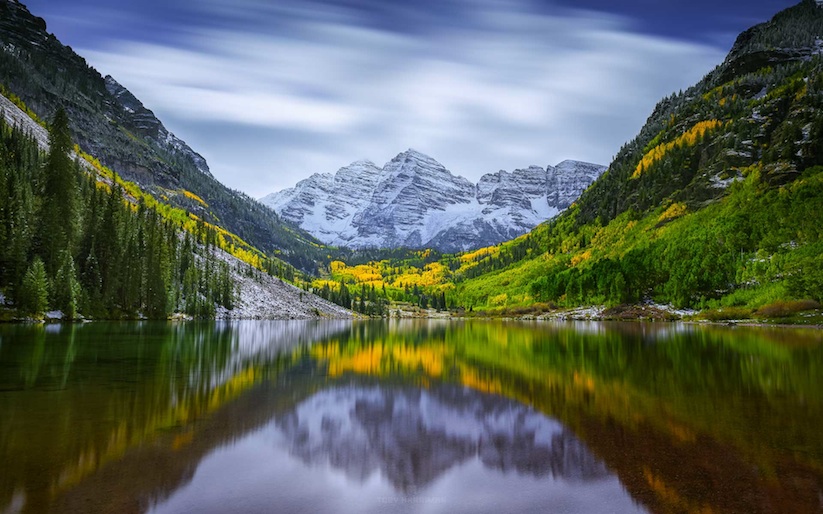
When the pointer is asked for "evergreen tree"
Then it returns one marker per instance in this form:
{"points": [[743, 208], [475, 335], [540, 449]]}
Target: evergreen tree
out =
{"points": [[66, 288], [81, 238], [109, 249], [59, 210], [34, 291]]}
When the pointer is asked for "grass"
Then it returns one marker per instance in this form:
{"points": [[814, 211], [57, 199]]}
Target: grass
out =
{"points": [[726, 314]]}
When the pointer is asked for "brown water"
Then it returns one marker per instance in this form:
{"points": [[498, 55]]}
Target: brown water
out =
{"points": [[410, 417]]}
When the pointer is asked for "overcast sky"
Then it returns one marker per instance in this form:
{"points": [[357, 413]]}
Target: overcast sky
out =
{"points": [[271, 91]]}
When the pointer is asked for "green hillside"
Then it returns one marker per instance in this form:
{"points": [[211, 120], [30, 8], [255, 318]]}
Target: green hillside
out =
{"points": [[717, 202]]}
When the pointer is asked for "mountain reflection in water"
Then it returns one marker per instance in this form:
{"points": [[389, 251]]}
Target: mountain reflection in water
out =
{"points": [[413, 436], [410, 417]]}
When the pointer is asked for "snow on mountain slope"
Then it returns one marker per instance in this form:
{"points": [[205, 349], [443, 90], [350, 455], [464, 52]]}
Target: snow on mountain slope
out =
{"points": [[415, 202]]}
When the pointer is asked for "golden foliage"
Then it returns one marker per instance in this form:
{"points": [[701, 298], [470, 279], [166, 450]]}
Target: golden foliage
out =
{"points": [[674, 211], [581, 257], [192, 196], [491, 251], [369, 274], [688, 138], [381, 360], [16, 100], [499, 300], [433, 274], [471, 379]]}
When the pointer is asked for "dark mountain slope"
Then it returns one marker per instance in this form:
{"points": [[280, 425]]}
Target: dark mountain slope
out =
{"points": [[765, 55], [108, 122]]}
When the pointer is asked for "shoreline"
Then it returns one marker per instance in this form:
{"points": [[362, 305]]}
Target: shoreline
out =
{"points": [[591, 314]]}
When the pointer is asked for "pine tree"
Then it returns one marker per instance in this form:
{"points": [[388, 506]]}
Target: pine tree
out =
{"points": [[109, 249], [60, 219], [20, 221], [34, 292], [92, 283], [617, 289], [157, 269], [226, 288], [66, 289]]}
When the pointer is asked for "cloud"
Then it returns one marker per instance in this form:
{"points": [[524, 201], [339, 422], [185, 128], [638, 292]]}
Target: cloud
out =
{"points": [[484, 86]]}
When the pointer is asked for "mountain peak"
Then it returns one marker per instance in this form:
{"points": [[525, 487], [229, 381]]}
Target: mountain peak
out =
{"points": [[362, 163], [411, 153], [418, 164], [415, 153], [793, 34], [414, 201]]}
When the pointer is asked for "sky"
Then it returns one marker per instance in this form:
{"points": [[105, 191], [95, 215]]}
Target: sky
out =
{"points": [[272, 91]]}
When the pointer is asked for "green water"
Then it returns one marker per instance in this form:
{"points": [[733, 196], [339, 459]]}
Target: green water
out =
{"points": [[410, 417]]}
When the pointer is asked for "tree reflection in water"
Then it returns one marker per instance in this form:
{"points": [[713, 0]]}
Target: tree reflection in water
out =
{"points": [[129, 417]]}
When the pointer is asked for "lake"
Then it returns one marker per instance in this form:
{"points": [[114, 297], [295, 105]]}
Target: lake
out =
{"points": [[410, 416]]}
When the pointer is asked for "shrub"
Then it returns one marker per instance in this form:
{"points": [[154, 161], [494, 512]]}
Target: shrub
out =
{"points": [[784, 309]]}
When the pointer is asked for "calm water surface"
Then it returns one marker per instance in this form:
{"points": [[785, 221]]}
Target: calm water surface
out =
{"points": [[410, 416]]}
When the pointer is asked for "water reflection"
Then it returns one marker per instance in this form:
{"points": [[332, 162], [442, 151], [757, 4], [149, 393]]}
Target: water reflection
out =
{"points": [[413, 436], [410, 416]]}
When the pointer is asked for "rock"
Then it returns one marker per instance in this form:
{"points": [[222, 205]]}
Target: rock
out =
{"points": [[144, 121], [53, 316], [261, 296]]}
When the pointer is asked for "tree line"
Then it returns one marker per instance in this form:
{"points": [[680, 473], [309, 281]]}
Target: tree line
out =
{"points": [[73, 243]]}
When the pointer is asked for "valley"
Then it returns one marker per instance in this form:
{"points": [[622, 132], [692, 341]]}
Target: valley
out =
{"points": [[637, 337], [713, 209]]}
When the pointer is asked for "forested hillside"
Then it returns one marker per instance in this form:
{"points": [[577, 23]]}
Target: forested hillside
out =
{"points": [[717, 202], [108, 122], [73, 241]]}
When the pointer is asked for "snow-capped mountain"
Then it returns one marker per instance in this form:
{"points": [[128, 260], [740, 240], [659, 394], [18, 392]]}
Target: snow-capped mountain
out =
{"points": [[415, 202]]}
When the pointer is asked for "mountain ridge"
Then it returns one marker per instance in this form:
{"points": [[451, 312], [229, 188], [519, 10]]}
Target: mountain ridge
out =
{"points": [[414, 201], [256, 295], [110, 123]]}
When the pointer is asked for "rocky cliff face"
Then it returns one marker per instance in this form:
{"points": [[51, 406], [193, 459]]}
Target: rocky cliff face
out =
{"points": [[415, 202], [144, 121]]}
